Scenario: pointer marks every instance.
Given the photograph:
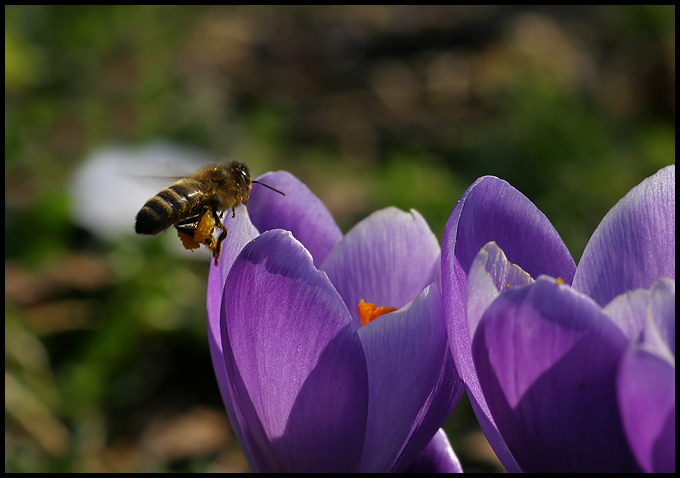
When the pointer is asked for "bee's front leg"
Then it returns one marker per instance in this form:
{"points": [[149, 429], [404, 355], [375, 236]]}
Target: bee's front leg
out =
{"points": [[218, 245], [220, 238]]}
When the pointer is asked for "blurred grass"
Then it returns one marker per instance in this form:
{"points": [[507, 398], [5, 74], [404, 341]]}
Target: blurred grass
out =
{"points": [[106, 359]]}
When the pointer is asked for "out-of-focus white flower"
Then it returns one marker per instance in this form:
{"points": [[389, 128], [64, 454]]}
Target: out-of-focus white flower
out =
{"points": [[114, 183]]}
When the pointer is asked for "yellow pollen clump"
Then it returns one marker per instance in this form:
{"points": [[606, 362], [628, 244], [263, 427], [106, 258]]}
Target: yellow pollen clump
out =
{"points": [[202, 233], [205, 228], [368, 311], [187, 241], [559, 281]]}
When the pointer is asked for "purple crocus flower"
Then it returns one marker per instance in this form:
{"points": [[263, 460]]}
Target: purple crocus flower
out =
{"points": [[306, 386], [575, 370]]}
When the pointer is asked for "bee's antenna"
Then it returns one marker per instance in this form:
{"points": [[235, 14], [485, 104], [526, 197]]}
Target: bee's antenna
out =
{"points": [[268, 186]]}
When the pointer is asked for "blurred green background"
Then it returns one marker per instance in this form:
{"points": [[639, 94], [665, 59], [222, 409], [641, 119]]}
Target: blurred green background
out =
{"points": [[106, 359]]}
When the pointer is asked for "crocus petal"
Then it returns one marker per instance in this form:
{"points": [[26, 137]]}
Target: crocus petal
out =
{"points": [[413, 383], [241, 231], [437, 457], [546, 357], [490, 274], [646, 389], [492, 210], [295, 362], [646, 378], [299, 212], [631, 310], [634, 244], [387, 259]]}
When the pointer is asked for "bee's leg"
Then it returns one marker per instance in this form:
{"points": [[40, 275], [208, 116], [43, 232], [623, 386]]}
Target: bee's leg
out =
{"points": [[233, 212], [188, 225], [218, 219], [220, 238], [218, 244]]}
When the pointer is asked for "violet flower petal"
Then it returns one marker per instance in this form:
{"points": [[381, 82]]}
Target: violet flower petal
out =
{"points": [[387, 259], [630, 311], [646, 377], [437, 457], [646, 390], [413, 383], [492, 210], [546, 357], [241, 231], [634, 244], [490, 274], [296, 364], [299, 211]]}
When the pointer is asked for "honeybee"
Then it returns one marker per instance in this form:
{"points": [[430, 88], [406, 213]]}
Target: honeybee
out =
{"points": [[195, 205]]}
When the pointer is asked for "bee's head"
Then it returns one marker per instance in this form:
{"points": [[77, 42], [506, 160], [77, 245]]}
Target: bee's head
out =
{"points": [[230, 184], [232, 176], [240, 174]]}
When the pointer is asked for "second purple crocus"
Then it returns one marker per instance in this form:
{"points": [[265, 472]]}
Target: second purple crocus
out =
{"points": [[306, 386], [569, 369]]}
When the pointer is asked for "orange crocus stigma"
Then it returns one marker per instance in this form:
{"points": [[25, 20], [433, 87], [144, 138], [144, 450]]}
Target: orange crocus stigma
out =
{"points": [[368, 311]]}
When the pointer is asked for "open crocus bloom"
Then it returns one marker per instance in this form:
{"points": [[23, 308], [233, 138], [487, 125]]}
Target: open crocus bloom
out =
{"points": [[306, 386], [573, 371]]}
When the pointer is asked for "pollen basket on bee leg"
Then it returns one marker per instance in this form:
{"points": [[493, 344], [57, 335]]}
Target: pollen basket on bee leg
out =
{"points": [[187, 241], [205, 227]]}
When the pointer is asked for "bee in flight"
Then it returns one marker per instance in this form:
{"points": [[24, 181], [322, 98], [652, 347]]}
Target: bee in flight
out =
{"points": [[195, 205]]}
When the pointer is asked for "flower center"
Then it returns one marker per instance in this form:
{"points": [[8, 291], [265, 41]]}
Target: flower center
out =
{"points": [[368, 311]]}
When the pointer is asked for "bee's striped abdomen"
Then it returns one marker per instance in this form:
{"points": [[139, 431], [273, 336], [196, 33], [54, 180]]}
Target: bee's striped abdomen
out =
{"points": [[164, 209]]}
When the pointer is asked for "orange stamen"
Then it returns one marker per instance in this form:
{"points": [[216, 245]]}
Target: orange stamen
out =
{"points": [[368, 311]]}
